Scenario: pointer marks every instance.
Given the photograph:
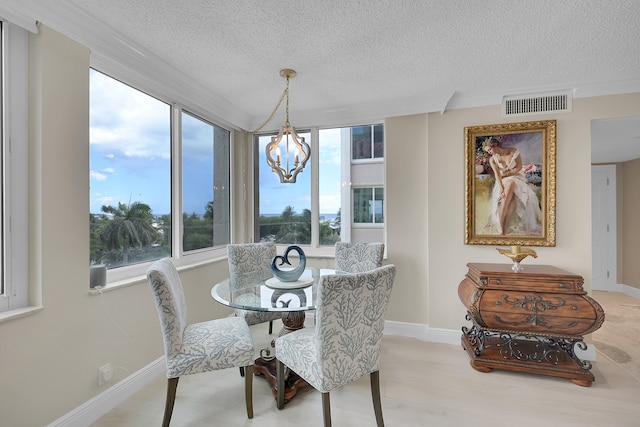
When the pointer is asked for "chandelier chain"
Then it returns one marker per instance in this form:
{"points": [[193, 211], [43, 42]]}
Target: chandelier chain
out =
{"points": [[286, 117], [284, 93]]}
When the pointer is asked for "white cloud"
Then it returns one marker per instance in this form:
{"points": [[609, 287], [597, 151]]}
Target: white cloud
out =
{"points": [[98, 176], [127, 121], [106, 200], [101, 175], [330, 146], [330, 203]]}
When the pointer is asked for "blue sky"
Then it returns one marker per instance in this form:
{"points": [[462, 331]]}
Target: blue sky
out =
{"points": [[130, 157], [130, 147]]}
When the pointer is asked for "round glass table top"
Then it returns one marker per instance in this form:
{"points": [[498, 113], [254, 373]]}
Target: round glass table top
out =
{"points": [[271, 294]]}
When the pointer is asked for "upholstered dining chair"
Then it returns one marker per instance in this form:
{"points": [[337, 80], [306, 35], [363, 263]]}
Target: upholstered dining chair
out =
{"points": [[358, 257], [345, 343], [198, 347], [250, 263]]}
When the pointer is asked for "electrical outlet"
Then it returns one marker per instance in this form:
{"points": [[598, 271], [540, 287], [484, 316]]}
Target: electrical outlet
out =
{"points": [[105, 374]]}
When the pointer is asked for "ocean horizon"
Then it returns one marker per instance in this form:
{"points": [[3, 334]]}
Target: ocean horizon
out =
{"points": [[322, 215]]}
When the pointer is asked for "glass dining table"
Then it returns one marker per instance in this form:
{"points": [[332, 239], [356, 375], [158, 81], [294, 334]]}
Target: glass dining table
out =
{"points": [[292, 299]]}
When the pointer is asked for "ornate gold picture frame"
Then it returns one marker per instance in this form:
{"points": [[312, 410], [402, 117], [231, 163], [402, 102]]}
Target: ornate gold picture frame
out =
{"points": [[510, 194]]}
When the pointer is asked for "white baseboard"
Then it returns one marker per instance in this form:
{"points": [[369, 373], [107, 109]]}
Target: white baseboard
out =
{"points": [[422, 332], [627, 290], [90, 411]]}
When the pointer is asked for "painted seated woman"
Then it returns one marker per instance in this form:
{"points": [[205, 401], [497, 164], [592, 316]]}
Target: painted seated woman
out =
{"points": [[515, 208]]}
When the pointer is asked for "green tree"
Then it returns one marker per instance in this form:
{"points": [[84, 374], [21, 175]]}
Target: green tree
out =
{"points": [[304, 228], [293, 228], [197, 232], [130, 226], [97, 223], [208, 211]]}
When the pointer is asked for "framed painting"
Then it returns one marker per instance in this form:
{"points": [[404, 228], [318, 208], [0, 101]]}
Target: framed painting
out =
{"points": [[510, 193]]}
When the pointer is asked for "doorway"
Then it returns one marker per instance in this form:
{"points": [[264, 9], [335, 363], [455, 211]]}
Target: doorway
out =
{"points": [[603, 228]]}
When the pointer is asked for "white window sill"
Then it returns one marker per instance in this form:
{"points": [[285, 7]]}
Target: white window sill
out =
{"points": [[8, 315], [138, 274]]}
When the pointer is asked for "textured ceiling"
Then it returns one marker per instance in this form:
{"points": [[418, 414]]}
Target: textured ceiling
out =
{"points": [[388, 57], [353, 52]]}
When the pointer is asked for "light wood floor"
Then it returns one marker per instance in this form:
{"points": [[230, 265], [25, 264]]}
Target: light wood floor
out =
{"points": [[422, 384]]}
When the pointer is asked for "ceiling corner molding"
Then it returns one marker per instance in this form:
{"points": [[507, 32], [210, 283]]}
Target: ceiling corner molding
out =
{"points": [[446, 104], [123, 59], [460, 100], [18, 18], [371, 112], [609, 88]]}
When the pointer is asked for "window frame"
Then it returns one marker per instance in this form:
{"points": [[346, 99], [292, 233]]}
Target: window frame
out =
{"points": [[126, 275], [372, 158], [374, 189], [15, 176]]}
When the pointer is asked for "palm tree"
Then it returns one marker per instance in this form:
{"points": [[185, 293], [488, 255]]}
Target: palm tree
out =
{"points": [[131, 225], [287, 231]]}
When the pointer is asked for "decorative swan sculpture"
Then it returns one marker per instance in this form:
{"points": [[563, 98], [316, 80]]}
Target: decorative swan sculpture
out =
{"points": [[288, 275]]}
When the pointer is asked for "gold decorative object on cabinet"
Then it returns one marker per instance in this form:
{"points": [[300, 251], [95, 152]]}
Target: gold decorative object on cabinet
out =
{"points": [[517, 254]]}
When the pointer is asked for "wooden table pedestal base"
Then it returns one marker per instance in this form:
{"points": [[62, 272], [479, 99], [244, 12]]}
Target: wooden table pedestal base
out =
{"points": [[266, 367]]}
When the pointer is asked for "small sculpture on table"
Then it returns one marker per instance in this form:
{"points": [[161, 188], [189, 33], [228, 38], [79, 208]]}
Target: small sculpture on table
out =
{"points": [[289, 275], [517, 254]]}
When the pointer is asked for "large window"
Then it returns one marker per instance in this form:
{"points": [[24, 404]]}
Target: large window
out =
{"points": [[130, 163], [13, 167], [205, 184], [137, 160], [345, 202], [330, 179]]}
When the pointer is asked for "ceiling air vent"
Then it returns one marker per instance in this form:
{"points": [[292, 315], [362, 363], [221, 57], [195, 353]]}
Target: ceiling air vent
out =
{"points": [[525, 105]]}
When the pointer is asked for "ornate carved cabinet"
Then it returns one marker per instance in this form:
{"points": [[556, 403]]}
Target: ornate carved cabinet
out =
{"points": [[529, 321]]}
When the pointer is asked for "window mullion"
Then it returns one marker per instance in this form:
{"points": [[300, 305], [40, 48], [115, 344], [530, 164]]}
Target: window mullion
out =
{"points": [[176, 181], [345, 182], [315, 188]]}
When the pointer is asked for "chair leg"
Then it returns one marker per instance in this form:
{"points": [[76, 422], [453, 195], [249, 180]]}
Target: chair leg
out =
{"points": [[172, 385], [375, 394], [326, 409], [248, 390], [279, 384], [270, 326]]}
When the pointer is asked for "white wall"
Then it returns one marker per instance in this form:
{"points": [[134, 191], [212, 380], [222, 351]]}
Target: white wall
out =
{"points": [[408, 201], [49, 360]]}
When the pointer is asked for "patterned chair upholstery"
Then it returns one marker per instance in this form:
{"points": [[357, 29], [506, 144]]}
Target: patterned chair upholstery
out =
{"points": [[250, 263], [198, 347], [345, 343], [358, 257]]}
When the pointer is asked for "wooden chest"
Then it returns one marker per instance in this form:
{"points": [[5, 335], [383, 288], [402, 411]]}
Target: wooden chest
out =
{"points": [[541, 307]]}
